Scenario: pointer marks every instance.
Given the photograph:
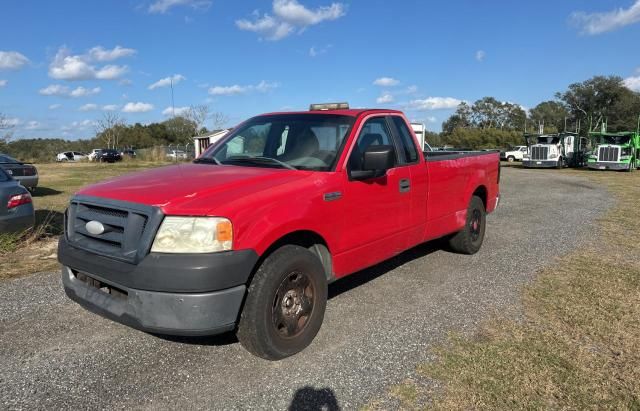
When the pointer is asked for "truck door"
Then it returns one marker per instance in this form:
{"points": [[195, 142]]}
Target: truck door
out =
{"points": [[414, 223], [377, 210]]}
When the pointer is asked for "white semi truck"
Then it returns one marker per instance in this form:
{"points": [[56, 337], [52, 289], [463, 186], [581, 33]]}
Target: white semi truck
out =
{"points": [[551, 150]]}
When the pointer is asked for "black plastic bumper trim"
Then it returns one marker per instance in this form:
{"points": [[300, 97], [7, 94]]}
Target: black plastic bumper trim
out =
{"points": [[189, 273], [160, 313]]}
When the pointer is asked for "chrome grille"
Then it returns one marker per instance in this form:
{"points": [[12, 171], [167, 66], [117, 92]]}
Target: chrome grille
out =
{"points": [[539, 153], [128, 233], [608, 153]]}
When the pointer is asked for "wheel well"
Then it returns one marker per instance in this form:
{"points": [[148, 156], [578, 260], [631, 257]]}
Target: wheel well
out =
{"points": [[482, 193], [309, 240]]}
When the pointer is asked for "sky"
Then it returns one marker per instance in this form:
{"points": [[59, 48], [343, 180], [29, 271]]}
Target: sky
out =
{"points": [[64, 64]]}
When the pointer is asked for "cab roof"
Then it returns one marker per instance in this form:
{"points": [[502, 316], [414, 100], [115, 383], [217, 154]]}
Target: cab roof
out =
{"points": [[347, 112]]}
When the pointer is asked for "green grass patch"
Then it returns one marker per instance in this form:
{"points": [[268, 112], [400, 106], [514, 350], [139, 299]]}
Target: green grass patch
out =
{"points": [[578, 344]]}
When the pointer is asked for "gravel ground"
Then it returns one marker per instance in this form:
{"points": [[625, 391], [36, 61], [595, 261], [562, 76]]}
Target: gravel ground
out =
{"points": [[379, 323]]}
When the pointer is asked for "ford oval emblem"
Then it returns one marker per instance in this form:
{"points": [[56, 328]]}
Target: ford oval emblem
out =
{"points": [[94, 227]]}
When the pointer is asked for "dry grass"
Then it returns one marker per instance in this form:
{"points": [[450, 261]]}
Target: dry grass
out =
{"points": [[578, 346], [35, 250]]}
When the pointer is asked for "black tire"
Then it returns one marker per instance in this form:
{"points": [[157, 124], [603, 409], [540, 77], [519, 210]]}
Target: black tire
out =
{"points": [[511, 159], [470, 238], [285, 304], [560, 163]]}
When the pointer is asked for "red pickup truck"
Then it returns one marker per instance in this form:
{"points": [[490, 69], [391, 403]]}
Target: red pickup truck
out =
{"points": [[249, 235]]}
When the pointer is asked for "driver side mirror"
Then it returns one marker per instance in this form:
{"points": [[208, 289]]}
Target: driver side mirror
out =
{"points": [[376, 161]]}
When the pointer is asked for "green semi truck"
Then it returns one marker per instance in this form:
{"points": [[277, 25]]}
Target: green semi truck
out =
{"points": [[614, 151]]}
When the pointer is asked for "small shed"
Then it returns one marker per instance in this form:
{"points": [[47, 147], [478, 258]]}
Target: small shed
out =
{"points": [[202, 142]]}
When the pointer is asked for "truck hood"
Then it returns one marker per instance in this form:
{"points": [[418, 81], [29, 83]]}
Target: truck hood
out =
{"points": [[191, 189]]}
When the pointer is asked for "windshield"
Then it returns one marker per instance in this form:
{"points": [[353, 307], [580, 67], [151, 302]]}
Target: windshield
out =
{"points": [[300, 141], [548, 140], [615, 139]]}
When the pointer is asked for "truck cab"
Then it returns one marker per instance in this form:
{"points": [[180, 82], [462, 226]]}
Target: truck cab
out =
{"points": [[549, 150], [615, 151]]}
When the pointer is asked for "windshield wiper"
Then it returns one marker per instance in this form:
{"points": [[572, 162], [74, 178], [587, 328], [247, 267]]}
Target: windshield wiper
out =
{"points": [[207, 160], [261, 159]]}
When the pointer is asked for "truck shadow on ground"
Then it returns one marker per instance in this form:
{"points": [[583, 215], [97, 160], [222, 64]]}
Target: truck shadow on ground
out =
{"points": [[312, 399], [336, 288]]}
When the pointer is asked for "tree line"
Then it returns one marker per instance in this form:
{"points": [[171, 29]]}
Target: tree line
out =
{"points": [[111, 131], [485, 123], [583, 107]]}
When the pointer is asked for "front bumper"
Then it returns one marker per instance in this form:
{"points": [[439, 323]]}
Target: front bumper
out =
{"points": [[156, 312], [27, 181], [540, 163], [597, 165], [170, 294]]}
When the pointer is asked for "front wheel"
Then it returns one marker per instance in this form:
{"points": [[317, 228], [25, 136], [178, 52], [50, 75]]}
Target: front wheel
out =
{"points": [[511, 159], [285, 304], [470, 238], [560, 163]]}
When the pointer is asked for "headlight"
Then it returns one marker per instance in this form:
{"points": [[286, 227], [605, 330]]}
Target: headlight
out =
{"points": [[193, 235]]}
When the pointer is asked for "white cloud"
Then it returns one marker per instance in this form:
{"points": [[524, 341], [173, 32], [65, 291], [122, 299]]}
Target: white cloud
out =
{"points": [[633, 83], [111, 72], [597, 23], [83, 92], [137, 107], [432, 119], [12, 60], [33, 125], [411, 89], [55, 106], [227, 90], [99, 53], [386, 82], [289, 16], [64, 91], [480, 55], [54, 90], [79, 125], [434, 103], [66, 66], [236, 89], [110, 107], [162, 6], [88, 107], [12, 122], [385, 98], [179, 111], [166, 82], [318, 51], [3, 83]]}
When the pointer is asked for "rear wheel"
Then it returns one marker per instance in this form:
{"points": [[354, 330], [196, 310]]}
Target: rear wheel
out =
{"points": [[470, 238], [285, 304]]}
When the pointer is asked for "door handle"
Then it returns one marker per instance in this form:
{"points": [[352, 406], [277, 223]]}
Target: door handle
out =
{"points": [[405, 185]]}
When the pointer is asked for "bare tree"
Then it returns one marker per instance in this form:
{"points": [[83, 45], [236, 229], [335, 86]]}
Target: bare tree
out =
{"points": [[109, 128], [220, 120], [5, 129], [199, 115]]}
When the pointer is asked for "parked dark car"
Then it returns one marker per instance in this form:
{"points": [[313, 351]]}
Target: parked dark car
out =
{"points": [[129, 152], [107, 155], [25, 174], [16, 207]]}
